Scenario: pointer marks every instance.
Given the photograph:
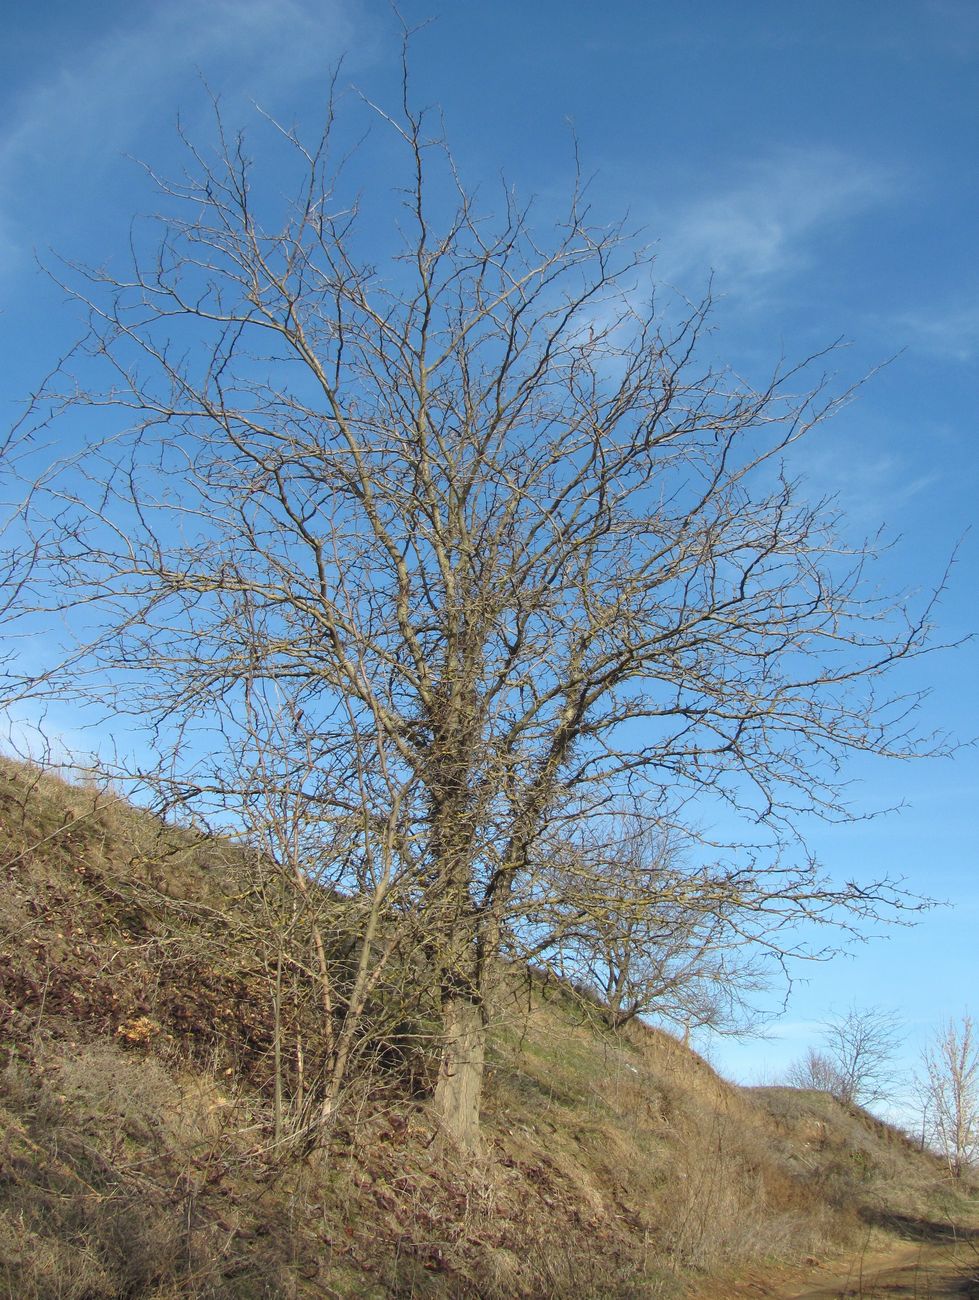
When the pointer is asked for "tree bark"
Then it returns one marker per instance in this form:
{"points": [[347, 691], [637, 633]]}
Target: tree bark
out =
{"points": [[460, 1083]]}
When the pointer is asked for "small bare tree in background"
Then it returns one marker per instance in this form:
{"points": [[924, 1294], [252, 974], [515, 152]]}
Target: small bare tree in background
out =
{"points": [[815, 1071], [948, 1087], [856, 1063], [506, 543], [623, 910]]}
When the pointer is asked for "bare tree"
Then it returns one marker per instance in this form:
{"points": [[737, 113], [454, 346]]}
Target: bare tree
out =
{"points": [[857, 1061], [623, 910], [510, 548], [949, 1090], [815, 1071]]}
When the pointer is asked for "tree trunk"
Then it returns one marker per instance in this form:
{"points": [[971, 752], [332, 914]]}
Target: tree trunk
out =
{"points": [[460, 1083]]}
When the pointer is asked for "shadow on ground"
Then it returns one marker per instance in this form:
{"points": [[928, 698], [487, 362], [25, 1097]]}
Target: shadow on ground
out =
{"points": [[914, 1228]]}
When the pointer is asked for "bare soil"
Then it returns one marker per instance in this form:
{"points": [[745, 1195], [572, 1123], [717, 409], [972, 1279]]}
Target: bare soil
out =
{"points": [[941, 1261]]}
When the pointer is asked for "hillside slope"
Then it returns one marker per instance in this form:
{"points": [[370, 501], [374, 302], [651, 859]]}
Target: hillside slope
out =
{"points": [[137, 1155]]}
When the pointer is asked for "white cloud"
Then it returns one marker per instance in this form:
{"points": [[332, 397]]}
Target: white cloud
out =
{"points": [[76, 117], [794, 1031], [953, 27], [871, 486], [763, 226], [952, 335]]}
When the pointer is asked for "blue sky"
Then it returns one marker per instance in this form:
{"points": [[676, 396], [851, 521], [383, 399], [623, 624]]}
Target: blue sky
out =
{"points": [[818, 159]]}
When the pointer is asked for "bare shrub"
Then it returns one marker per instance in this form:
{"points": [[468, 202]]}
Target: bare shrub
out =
{"points": [[722, 1208], [816, 1072]]}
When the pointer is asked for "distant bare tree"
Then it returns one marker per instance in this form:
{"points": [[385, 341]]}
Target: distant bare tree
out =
{"points": [[949, 1090], [624, 911], [509, 547], [857, 1061], [815, 1071]]}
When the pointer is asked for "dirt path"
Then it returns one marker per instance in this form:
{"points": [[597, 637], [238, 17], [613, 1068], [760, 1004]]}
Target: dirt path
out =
{"points": [[925, 1270]]}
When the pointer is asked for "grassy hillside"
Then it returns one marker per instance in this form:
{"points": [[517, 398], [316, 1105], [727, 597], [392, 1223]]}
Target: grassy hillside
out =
{"points": [[136, 1147]]}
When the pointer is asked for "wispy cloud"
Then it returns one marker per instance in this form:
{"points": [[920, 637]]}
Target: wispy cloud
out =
{"points": [[951, 335], [764, 226], [953, 26], [794, 1031], [115, 83], [871, 486], [76, 117]]}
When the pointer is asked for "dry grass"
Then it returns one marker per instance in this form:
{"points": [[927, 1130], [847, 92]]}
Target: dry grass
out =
{"points": [[118, 1182], [135, 1115]]}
